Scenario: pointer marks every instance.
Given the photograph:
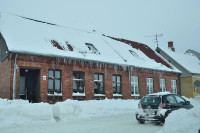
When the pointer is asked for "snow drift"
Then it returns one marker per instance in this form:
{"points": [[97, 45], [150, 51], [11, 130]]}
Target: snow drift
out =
{"points": [[21, 112]]}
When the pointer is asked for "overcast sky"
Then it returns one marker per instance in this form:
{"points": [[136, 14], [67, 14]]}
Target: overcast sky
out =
{"points": [[177, 20]]}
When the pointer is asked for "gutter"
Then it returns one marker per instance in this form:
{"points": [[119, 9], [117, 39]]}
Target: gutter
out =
{"points": [[14, 77]]}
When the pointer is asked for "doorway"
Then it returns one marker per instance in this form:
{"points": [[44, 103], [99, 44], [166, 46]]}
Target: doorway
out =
{"points": [[29, 85]]}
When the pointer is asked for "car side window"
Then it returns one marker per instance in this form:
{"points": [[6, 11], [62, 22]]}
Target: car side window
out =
{"points": [[171, 100], [179, 99]]}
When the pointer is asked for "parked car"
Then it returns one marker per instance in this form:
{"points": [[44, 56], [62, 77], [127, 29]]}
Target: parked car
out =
{"points": [[157, 106]]}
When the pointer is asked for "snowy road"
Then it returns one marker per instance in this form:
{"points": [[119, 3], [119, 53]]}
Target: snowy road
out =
{"points": [[125, 123]]}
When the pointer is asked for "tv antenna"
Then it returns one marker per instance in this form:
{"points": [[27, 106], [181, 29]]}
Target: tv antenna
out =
{"points": [[156, 39]]}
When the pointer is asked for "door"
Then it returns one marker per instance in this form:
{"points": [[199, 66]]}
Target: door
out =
{"points": [[29, 87]]}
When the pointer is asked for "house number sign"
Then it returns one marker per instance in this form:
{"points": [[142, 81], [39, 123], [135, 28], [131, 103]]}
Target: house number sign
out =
{"points": [[44, 77]]}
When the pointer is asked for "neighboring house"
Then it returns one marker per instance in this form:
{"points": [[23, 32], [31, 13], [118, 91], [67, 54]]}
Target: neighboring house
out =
{"points": [[45, 62], [189, 64]]}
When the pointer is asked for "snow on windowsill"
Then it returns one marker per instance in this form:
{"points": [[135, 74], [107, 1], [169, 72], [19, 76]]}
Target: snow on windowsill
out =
{"points": [[117, 95], [135, 95], [99, 95], [78, 94], [55, 94]]}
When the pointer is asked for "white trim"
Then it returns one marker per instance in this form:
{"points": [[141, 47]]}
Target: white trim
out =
{"points": [[136, 95], [55, 94], [78, 94], [117, 95], [99, 95]]}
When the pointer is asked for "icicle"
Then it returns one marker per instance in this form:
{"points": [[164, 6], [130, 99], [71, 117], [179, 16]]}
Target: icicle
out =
{"points": [[115, 68], [100, 66]]}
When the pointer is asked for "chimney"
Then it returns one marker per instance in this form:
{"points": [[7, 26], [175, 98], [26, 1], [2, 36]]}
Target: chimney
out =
{"points": [[171, 46]]}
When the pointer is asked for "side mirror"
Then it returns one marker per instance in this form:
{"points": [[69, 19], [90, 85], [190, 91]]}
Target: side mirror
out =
{"points": [[187, 102]]}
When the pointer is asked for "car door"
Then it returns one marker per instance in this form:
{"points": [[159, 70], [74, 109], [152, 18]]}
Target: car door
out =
{"points": [[171, 103]]}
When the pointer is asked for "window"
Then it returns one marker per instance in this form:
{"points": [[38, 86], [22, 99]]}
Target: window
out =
{"points": [[116, 84], [70, 48], [171, 99], [149, 85], [173, 86], [92, 48], [179, 99], [134, 85], [98, 83], [133, 53], [78, 82], [54, 81], [162, 85]]}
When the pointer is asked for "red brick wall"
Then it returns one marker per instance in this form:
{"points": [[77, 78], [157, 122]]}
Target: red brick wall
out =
{"points": [[5, 74], [67, 68]]}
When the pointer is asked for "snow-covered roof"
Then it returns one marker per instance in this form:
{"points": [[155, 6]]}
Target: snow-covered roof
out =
{"points": [[186, 60], [28, 36]]}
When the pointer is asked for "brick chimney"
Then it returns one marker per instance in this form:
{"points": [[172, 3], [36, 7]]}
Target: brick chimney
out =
{"points": [[171, 46]]}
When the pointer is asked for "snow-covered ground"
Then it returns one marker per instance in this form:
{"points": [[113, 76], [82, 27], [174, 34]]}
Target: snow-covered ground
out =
{"points": [[92, 116]]}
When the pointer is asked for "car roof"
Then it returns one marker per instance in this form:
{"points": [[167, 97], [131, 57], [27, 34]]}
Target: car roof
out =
{"points": [[160, 93]]}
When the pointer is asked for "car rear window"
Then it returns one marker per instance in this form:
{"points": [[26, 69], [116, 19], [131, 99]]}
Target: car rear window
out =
{"points": [[151, 100]]}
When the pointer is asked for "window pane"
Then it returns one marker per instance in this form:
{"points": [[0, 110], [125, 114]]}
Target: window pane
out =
{"points": [[132, 89], [74, 86], [118, 78], [136, 90], [114, 78], [101, 88], [101, 77], [50, 84], [136, 79], [114, 88], [171, 100], [57, 85], [132, 78], [50, 74], [81, 86], [57, 74], [95, 76], [81, 75], [118, 88]]}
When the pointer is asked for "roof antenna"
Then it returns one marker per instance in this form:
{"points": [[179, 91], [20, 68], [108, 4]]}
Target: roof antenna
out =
{"points": [[156, 39]]}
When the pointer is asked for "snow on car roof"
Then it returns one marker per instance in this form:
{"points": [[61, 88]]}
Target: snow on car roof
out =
{"points": [[160, 93], [29, 36]]}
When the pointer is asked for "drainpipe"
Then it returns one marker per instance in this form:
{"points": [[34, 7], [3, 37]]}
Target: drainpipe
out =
{"points": [[14, 77], [180, 91]]}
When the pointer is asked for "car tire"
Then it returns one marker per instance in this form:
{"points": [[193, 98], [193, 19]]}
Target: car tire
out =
{"points": [[141, 121]]}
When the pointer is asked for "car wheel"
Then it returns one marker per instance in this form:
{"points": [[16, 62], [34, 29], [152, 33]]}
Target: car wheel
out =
{"points": [[141, 121]]}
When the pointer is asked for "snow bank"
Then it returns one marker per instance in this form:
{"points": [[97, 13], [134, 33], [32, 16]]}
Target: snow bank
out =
{"points": [[70, 109], [18, 112], [183, 120], [15, 112]]}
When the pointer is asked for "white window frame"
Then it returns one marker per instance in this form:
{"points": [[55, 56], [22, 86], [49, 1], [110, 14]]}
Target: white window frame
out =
{"points": [[149, 85], [134, 85], [173, 86], [162, 85]]}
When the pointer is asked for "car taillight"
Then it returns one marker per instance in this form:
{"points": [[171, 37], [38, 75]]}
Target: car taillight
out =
{"points": [[162, 105], [139, 105]]}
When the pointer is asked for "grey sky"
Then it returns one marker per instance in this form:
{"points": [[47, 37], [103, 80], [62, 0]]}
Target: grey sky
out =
{"points": [[177, 20]]}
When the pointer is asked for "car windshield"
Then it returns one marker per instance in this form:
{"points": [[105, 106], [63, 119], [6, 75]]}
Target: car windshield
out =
{"points": [[151, 100]]}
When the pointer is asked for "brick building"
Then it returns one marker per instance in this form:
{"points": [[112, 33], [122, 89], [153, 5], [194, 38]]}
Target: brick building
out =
{"points": [[44, 62]]}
